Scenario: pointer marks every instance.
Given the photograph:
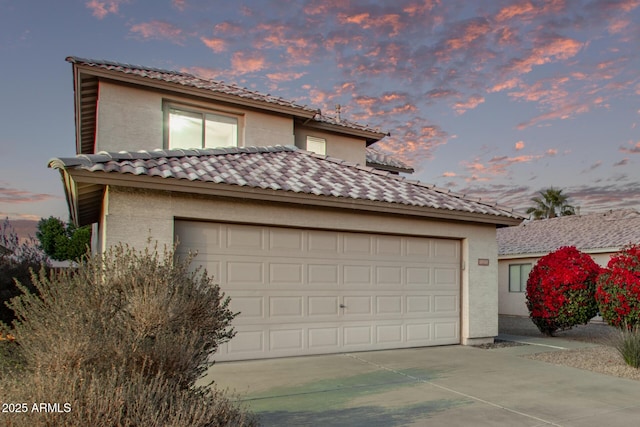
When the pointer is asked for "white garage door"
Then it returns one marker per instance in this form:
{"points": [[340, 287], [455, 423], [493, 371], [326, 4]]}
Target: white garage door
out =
{"points": [[311, 291]]}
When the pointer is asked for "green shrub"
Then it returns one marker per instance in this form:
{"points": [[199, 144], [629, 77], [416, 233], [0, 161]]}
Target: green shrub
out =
{"points": [[560, 290], [628, 345], [122, 339]]}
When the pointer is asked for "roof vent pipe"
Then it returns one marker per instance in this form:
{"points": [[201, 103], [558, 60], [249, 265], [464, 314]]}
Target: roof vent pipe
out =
{"points": [[338, 113]]}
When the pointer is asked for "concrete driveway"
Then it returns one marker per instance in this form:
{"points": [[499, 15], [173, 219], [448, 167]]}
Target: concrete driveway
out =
{"points": [[451, 386]]}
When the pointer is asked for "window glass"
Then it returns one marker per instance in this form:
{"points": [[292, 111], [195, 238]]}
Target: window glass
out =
{"points": [[518, 276], [220, 131], [185, 129], [317, 145], [194, 129]]}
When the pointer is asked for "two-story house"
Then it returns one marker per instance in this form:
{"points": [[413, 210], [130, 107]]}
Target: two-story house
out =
{"points": [[319, 242]]}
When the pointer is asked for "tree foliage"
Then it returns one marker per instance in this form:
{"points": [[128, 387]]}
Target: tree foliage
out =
{"points": [[561, 290], [61, 241], [550, 204], [17, 259]]}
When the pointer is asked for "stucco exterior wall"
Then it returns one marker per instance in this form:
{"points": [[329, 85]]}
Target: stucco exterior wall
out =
{"points": [[514, 303], [141, 218], [132, 119], [341, 147]]}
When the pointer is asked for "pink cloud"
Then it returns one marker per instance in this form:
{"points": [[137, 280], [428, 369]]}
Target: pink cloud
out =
{"points": [[229, 28], [158, 30], [507, 84], [562, 113], [449, 174], [470, 32], [553, 49], [215, 44], [13, 195], [243, 62], [284, 77], [634, 149], [100, 9], [389, 23], [519, 145], [179, 4], [472, 102], [515, 10]]}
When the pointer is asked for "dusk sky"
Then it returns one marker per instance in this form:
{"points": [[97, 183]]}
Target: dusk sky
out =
{"points": [[496, 99]]}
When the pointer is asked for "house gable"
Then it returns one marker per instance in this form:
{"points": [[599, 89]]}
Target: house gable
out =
{"points": [[124, 107]]}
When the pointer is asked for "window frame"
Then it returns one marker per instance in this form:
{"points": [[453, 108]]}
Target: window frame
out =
{"points": [[316, 140], [522, 286], [203, 111]]}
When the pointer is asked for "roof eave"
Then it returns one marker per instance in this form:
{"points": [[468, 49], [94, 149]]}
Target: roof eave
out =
{"points": [[389, 168], [190, 90], [88, 178], [370, 137]]}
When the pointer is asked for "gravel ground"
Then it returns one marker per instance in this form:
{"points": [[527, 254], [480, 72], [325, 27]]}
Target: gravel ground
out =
{"points": [[604, 358]]}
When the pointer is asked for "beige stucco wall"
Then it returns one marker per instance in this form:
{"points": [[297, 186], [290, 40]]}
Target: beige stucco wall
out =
{"points": [[339, 146], [141, 218], [132, 119], [514, 303]]}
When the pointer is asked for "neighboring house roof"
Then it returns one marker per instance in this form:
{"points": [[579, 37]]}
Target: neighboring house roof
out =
{"points": [[382, 161], [268, 173], [87, 72], [597, 232]]}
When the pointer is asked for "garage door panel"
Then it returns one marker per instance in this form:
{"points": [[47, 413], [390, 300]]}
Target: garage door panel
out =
{"points": [[314, 291], [249, 341], [244, 237], [418, 304], [286, 273], [250, 307], [357, 336], [388, 275], [356, 275], [356, 244], [286, 339], [446, 304], [418, 276], [323, 306], [446, 331], [325, 338], [388, 246], [389, 305], [285, 307], [445, 249], [245, 273], [322, 242], [389, 334], [323, 274]]}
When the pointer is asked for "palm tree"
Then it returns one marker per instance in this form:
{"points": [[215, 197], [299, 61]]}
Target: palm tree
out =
{"points": [[551, 204]]}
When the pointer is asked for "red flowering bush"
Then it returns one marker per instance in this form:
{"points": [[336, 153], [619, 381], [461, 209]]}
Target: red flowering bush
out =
{"points": [[618, 290], [561, 290]]}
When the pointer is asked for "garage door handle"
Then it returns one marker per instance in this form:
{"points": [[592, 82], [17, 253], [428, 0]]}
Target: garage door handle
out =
{"points": [[343, 306]]}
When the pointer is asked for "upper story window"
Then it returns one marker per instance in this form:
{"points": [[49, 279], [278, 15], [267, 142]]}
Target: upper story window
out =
{"points": [[317, 145], [518, 275], [193, 128]]}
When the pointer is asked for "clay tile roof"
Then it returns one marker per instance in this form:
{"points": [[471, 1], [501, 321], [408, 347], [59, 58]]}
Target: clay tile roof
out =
{"points": [[282, 168], [186, 79], [384, 161], [609, 230]]}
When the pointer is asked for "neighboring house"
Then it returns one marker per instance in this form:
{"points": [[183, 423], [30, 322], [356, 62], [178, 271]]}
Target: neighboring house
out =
{"points": [[319, 252], [519, 248]]}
